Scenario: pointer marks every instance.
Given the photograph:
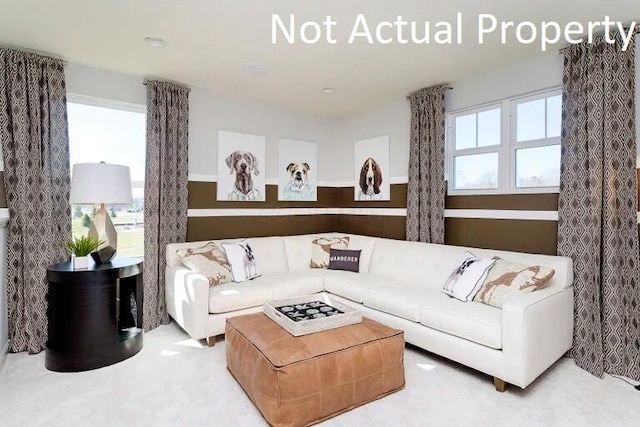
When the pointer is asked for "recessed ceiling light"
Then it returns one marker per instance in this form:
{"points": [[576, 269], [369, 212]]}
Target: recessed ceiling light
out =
{"points": [[155, 41], [328, 90], [256, 68]]}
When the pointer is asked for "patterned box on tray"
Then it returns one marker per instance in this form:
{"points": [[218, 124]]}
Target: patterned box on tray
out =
{"points": [[310, 313]]}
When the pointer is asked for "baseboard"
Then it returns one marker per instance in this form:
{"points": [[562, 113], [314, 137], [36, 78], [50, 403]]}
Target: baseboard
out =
{"points": [[3, 354]]}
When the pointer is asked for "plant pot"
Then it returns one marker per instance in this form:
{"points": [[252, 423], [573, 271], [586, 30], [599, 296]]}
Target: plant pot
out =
{"points": [[80, 262]]}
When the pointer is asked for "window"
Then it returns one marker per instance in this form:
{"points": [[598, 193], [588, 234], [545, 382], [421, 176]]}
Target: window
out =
{"points": [[113, 133], [507, 147]]}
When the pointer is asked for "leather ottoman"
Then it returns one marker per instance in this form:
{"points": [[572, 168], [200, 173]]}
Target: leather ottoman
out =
{"points": [[297, 381]]}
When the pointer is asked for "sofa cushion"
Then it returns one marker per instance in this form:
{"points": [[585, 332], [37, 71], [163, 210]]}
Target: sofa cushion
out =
{"points": [[321, 249], [270, 254], [237, 296], [297, 283], [400, 300], [366, 245], [298, 251], [472, 321], [507, 280], [351, 285]]}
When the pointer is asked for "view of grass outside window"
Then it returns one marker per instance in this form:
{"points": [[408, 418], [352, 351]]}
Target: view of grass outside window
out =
{"points": [[114, 134]]}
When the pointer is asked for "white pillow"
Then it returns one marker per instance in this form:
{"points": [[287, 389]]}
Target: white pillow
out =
{"points": [[467, 279], [243, 263]]}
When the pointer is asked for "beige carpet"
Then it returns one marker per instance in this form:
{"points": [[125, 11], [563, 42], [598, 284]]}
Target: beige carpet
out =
{"points": [[175, 381]]}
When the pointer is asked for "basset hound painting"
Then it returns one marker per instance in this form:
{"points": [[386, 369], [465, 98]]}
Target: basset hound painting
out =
{"points": [[370, 180]]}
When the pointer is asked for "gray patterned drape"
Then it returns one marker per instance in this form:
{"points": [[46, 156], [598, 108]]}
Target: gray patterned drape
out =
{"points": [[597, 206], [35, 145], [426, 186], [165, 189]]}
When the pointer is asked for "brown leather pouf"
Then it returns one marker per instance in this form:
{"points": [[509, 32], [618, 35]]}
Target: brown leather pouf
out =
{"points": [[297, 381]]}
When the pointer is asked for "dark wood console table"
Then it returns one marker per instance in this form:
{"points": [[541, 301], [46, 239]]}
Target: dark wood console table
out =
{"points": [[95, 315]]}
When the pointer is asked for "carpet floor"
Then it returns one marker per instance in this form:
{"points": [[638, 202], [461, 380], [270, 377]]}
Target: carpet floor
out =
{"points": [[176, 381]]}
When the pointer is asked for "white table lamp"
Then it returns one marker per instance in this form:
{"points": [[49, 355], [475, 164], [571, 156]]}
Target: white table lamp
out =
{"points": [[101, 184]]}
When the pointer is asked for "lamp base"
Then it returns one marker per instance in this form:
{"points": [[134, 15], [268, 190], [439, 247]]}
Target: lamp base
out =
{"points": [[102, 229]]}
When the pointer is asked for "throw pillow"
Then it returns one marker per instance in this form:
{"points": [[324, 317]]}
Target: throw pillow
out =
{"points": [[208, 260], [243, 262], [321, 249], [342, 259], [466, 280], [507, 280]]}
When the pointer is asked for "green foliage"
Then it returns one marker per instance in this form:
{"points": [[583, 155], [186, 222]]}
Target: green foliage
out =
{"points": [[77, 212], [83, 245], [86, 221], [113, 213]]}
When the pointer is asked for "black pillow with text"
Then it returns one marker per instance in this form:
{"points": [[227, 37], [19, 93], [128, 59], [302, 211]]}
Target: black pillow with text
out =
{"points": [[344, 259]]}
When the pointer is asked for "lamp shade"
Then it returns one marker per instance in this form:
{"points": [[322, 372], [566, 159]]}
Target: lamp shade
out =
{"points": [[100, 183]]}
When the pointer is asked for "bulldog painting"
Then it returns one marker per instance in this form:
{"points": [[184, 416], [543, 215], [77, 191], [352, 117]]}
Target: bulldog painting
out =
{"points": [[297, 171], [298, 188]]}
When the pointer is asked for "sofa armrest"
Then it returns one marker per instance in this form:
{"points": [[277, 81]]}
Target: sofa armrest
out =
{"points": [[187, 296], [537, 329]]}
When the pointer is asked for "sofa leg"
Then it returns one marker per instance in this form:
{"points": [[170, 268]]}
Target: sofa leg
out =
{"points": [[501, 386], [211, 341]]}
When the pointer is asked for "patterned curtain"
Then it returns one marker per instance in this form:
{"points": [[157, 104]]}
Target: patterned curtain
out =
{"points": [[35, 145], [597, 206], [165, 190], [426, 187]]}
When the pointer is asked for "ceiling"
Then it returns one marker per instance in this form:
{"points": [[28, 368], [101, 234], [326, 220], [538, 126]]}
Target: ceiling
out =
{"points": [[211, 41]]}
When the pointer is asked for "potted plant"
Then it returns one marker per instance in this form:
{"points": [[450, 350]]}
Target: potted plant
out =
{"points": [[80, 248]]}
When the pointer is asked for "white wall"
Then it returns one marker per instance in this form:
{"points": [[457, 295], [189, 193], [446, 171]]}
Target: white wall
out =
{"points": [[394, 119], [93, 82], [210, 113]]}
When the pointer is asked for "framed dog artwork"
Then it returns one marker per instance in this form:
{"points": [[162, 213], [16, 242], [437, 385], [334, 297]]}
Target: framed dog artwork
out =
{"points": [[371, 168], [241, 159], [297, 171]]}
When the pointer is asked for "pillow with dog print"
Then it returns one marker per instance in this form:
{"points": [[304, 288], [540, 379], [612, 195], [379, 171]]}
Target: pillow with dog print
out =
{"points": [[321, 249], [465, 281], [507, 280], [243, 263], [208, 260]]}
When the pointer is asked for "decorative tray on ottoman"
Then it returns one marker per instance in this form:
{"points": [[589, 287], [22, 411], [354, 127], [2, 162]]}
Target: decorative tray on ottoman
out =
{"points": [[311, 313]]}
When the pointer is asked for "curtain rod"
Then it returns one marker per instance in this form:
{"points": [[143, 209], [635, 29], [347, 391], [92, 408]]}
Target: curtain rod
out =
{"points": [[446, 87], [144, 82], [562, 49]]}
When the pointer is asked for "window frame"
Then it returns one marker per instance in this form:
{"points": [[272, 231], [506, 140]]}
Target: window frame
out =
{"points": [[536, 143], [506, 150], [74, 98]]}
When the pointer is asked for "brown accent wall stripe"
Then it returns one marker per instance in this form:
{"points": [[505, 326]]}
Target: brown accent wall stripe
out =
{"points": [[539, 237], [513, 235], [202, 195], [390, 227], [210, 228], [525, 202]]}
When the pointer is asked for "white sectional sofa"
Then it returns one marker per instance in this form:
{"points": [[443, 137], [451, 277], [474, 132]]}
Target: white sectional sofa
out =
{"points": [[399, 284]]}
